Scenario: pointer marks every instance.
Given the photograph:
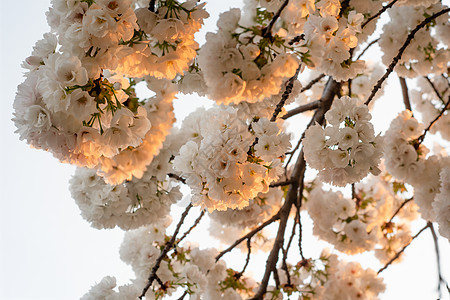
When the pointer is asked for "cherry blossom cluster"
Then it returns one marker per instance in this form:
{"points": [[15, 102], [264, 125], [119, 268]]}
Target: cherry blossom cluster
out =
{"points": [[406, 160], [328, 278], [347, 150], [188, 268], [132, 38], [78, 100], [430, 104], [241, 64], [229, 160], [428, 52], [129, 205], [363, 223]]}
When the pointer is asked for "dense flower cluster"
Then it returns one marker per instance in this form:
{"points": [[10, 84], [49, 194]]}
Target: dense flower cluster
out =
{"points": [[328, 278], [428, 52], [363, 223], [129, 205], [346, 151], [222, 163], [240, 64]]}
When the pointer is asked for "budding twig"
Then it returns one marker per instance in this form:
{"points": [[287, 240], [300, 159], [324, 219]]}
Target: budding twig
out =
{"points": [[163, 254], [397, 255], [378, 13], [401, 50], [422, 137]]}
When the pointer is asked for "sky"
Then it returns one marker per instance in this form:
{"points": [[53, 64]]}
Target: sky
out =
{"points": [[47, 251]]}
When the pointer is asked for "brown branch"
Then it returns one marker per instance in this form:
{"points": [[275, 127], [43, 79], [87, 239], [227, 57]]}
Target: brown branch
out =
{"points": [[249, 235], [184, 295], [175, 176], [312, 82], [283, 183], [367, 47], [399, 208], [405, 93], [267, 31], [438, 259], [287, 92], [434, 88], [401, 50], [306, 107], [378, 13], [193, 226], [163, 253], [247, 260], [397, 255], [297, 175], [447, 105]]}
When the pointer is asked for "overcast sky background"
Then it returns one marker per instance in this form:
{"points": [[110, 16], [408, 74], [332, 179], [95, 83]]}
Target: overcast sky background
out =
{"points": [[47, 251]]}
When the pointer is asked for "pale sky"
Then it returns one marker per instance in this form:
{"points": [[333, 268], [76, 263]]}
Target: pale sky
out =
{"points": [[47, 251]]}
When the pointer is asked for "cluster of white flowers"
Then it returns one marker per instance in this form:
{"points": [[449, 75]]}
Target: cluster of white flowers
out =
{"points": [[348, 150], [426, 54], [406, 160], [430, 105], [77, 101], [328, 278], [441, 203], [132, 38], [189, 268], [239, 64], [229, 160], [361, 224], [131, 204]]}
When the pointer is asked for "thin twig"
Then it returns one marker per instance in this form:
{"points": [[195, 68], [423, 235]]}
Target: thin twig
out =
{"points": [[401, 50], [447, 105], [184, 295], [438, 259], [434, 88], [249, 235], [399, 208], [299, 171], [367, 47], [163, 254], [193, 226], [287, 92], [175, 176], [306, 107], [267, 31], [397, 255], [312, 82], [247, 260], [378, 13], [282, 183], [405, 93]]}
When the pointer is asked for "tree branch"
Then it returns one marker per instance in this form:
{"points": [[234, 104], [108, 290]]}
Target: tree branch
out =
{"points": [[306, 107], [249, 235], [330, 91], [405, 93], [378, 13], [434, 88], [287, 92], [267, 31], [399, 208], [247, 260], [193, 226], [422, 137], [401, 50], [397, 255], [367, 47], [438, 258], [163, 254]]}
